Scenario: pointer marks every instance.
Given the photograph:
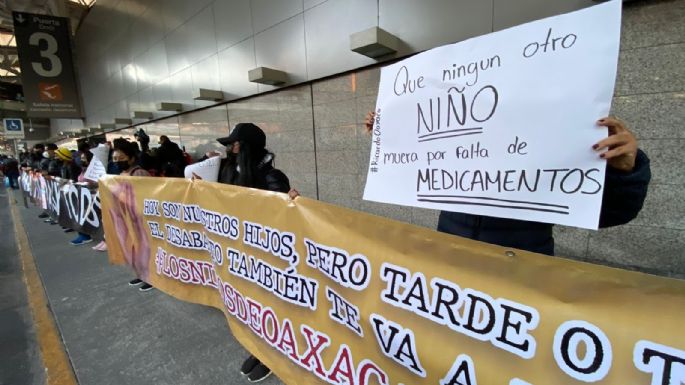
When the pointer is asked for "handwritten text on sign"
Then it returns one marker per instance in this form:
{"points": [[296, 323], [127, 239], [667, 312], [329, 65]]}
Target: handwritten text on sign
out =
{"points": [[502, 124]]}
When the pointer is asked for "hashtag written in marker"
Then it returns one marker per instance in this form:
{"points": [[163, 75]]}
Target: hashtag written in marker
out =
{"points": [[374, 169]]}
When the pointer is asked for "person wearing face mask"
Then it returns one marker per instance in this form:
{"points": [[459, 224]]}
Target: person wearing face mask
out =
{"points": [[125, 157], [250, 164], [74, 173], [35, 157], [86, 157], [51, 165], [35, 162]]}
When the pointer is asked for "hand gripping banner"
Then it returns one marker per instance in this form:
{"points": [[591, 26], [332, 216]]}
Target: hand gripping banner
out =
{"points": [[324, 294]]}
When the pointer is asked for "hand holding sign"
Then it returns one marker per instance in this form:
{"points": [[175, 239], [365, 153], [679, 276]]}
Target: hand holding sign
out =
{"points": [[95, 170], [207, 170], [621, 145], [101, 152]]}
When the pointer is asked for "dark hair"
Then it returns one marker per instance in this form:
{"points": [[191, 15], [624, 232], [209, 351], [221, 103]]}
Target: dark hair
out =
{"points": [[128, 148], [39, 146], [83, 146], [143, 139], [51, 146], [163, 138], [88, 154], [118, 142], [248, 159]]}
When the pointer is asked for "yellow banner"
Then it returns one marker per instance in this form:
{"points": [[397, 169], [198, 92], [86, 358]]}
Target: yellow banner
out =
{"points": [[324, 294]]}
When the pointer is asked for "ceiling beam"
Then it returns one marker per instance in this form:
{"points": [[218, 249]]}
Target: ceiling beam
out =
{"points": [[5, 50]]}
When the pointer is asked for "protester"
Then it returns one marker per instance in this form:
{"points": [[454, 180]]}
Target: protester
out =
{"points": [[24, 157], [143, 139], [34, 162], [125, 157], [74, 173], [69, 170], [35, 157], [171, 158], [111, 167], [86, 158], [111, 170], [51, 165], [250, 164], [83, 147], [625, 190], [10, 167]]}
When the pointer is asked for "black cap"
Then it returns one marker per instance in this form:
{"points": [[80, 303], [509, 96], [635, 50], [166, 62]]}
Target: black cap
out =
{"points": [[245, 132]]}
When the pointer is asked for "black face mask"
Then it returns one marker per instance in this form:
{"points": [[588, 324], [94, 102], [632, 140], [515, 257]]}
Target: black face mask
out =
{"points": [[122, 165]]}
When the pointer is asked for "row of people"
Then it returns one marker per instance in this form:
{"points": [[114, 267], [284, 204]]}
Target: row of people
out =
{"points": [[249, 163]]}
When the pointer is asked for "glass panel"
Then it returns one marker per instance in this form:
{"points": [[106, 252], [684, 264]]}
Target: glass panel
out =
{"points": [[168, 127], [126, 133], [200, 129]]}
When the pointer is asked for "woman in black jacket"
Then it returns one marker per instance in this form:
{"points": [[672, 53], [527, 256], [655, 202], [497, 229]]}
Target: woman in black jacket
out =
{"points": [[250, 164]]}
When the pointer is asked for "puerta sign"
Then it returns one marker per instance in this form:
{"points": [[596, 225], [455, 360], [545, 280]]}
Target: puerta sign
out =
{"points": [[47, 70]]}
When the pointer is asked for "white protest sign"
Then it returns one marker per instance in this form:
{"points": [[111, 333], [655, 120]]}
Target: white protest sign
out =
{"points": [[503, 124], [101, 152], [95, 170], [207, 170]]}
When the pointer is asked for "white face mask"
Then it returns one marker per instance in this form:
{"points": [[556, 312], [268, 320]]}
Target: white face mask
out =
{"points": [[46, 155]]}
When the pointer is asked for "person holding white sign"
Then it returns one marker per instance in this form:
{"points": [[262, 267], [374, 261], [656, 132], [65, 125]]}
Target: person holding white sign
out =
{"points": [[250, 164], [625, 189]]}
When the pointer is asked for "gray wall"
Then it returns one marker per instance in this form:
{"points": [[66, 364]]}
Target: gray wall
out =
{"points": [[316, 128], [133, 53]]}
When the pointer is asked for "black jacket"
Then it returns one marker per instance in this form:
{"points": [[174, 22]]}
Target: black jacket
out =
{"points": [[11, 167], [624, 195], [171, 159], [169, 152], [52, 166], [70, 171], [268, 177], [34, 161]]}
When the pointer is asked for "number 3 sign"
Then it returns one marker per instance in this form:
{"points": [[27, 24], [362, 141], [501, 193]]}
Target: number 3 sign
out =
{"points": [[44, 48]]}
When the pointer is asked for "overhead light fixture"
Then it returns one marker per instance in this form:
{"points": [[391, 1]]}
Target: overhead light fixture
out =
{"points": [[168, 106], [108, 126], [374, 42], [143, 115], [126, 121], [208, 95], [269, 76]]}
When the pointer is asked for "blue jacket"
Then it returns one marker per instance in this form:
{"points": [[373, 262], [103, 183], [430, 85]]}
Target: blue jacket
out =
{"points": [[624, 195]]}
